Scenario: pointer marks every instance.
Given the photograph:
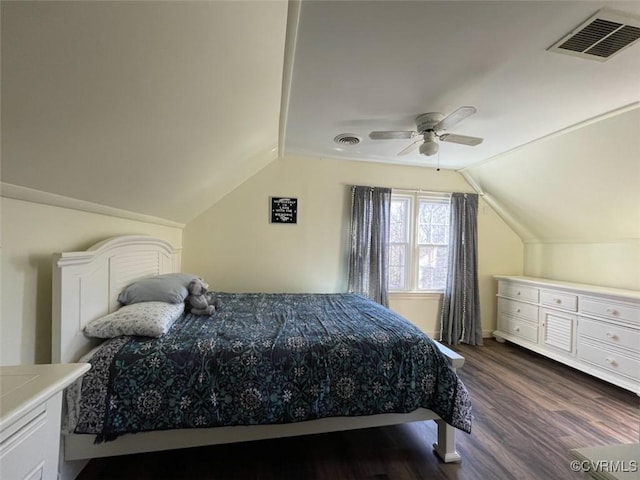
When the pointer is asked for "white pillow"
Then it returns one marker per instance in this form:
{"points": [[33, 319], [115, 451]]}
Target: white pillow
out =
{"points": [[146, 319]]}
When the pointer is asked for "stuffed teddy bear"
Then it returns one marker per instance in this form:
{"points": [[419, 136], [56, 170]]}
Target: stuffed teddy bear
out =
{"points": [[200, 301]]}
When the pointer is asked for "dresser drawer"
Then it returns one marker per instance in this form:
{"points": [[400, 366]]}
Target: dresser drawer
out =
{"points": [[520, 328], [609, 359], [525, 311], [30, 418], [519, 292], [22, 446], [566, 301], [610, 334], [612, 310]]}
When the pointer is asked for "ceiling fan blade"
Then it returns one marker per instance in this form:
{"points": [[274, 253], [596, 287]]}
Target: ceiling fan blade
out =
{"points": [[392, 135], [462, 139], [454, 117], [410, 148]]}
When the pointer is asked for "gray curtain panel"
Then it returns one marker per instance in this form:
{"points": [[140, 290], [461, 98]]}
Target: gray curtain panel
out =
{"points": [[460, 316], [369, 242]]}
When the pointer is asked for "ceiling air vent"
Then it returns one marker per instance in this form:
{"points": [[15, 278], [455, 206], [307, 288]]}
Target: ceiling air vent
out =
{"points": [[601, 37], [347, 139]]}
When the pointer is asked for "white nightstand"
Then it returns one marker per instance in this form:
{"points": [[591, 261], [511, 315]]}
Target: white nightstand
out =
{"points": [[30, 411]]}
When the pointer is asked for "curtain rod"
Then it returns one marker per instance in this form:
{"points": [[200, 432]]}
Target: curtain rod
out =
{"points": [[421, 190]]}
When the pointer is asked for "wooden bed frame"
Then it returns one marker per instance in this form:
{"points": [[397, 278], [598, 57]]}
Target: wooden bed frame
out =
{"points": [[86, 285]]}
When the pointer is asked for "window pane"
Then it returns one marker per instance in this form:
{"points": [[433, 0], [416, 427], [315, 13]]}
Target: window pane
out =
{"points": [[426, 210], [397, 267], [439, 234], [433, 223], [424, 221], [396, 255], [396, 278], [432, 267], [440, 214], [398, 220], [441, 257], [423, 234]]}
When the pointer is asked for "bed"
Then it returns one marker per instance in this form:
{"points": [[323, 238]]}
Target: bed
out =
{"points": [[297, 334]]}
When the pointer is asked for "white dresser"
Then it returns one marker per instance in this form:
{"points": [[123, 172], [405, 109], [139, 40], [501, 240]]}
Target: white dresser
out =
{"points": [[594, 329], [30, 414]]}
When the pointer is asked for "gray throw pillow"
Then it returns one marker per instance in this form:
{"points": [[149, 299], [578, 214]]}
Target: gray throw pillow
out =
{"points": [[168, 288]]}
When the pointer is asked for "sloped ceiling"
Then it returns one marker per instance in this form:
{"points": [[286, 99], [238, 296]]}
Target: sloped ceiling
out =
{"points": [[578, 186], [158, 108], [161, 108]]}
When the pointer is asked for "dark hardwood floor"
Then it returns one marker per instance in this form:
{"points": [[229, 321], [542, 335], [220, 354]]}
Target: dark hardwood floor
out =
{"points": [[529, 411]]}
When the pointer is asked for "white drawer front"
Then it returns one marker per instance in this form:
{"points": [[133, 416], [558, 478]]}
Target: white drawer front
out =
{"points": [[563, 300], [520, 328], [609, 360], [518, 309], [22, 447], [519, 292], [610, 334], [616, 311]]}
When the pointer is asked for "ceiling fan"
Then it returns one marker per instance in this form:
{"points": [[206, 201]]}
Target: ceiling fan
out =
{"points": [[429, 126]]}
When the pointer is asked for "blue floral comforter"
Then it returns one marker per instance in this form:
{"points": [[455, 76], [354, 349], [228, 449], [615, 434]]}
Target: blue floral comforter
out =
{"points": [[270, 358]]}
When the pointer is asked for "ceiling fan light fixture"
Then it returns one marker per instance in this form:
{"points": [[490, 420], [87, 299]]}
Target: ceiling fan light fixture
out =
{"points": [[429, 147], [429, 126]]}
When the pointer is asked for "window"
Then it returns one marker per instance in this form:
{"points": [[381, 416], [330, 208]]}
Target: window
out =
{"points": [[418, 242]]}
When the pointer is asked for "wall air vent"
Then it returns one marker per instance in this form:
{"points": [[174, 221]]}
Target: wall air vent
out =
{"points": [[601, 37]]}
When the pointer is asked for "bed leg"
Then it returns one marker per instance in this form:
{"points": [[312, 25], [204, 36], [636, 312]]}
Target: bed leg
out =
{"points": [[68, 469], [446, 446]]}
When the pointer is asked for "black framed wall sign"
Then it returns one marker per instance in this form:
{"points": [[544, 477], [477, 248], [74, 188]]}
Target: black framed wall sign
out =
{"points": [[284, 210]]}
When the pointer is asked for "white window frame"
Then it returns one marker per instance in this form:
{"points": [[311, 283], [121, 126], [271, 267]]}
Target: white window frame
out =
{"points": [[412, 257]]}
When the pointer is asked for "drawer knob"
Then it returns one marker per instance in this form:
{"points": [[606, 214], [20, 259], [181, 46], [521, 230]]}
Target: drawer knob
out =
{"points": [[612, 311], [518, 292], [517, 310], [517, 329], [612, 335], [557, 300], [610, 361]]}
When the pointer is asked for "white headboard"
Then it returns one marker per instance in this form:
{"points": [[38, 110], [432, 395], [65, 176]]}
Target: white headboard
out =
{"points": [[86, 285]]}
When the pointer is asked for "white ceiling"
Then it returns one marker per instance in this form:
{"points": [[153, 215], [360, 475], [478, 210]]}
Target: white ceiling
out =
{"points": [[375, 65], [162, 108]]}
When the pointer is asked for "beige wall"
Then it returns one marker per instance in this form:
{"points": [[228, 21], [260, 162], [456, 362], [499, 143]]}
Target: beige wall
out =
{"points": [[233, 245], [235, 248], [614, 264], [31, 233], [574, 199]]}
